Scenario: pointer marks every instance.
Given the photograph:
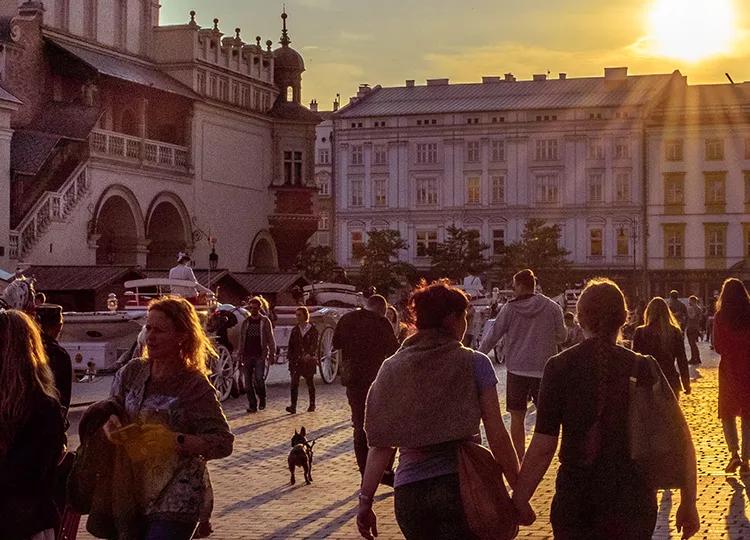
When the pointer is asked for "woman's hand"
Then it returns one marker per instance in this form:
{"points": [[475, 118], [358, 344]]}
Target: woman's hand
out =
{"points": [[112, 424], [158, 440], [367, 523], [688, 520]]}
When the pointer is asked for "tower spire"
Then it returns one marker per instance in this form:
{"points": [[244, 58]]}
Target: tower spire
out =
{"points": [[285, 41]]}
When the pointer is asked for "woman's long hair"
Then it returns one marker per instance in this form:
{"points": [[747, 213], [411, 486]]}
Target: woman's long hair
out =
{"points": [[24, 372], [733, 305], [660, 319], [196, 347]]}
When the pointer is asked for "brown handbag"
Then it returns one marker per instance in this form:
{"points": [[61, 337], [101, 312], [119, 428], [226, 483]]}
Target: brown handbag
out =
{"points": [[488, 508]]}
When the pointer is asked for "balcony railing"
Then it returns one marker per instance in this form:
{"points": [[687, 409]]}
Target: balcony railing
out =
{"points": [[52, 206], [127, 147]]}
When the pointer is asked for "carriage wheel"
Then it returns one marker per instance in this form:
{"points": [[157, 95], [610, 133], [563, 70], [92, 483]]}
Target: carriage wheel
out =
{"points": [[329, 360], [222, 374]]}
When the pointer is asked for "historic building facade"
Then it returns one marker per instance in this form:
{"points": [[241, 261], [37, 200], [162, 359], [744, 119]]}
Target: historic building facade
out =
{"points": [[131, 141], [324, 179]]}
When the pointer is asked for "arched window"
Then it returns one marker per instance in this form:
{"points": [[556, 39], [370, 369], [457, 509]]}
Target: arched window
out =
{"points": [[289, 94]]}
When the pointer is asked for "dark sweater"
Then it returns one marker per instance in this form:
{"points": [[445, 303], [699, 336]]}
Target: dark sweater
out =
{"points": [[647, 340], [27, 472], [365, 340], [62, 369]]}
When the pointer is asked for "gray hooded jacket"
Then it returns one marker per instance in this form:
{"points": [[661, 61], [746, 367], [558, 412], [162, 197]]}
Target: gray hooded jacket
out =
{"points": [[532, 328]]}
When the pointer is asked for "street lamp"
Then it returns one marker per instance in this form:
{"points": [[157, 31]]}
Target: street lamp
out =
{"points": [[213, 259]]}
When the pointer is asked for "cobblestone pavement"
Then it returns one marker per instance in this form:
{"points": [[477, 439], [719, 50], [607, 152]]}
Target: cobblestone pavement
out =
{"points": [[255, 501]]}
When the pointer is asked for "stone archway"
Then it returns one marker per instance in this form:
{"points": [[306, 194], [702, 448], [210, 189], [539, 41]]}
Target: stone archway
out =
{"points": [[117, 227], [263, 254], [166, 233]]}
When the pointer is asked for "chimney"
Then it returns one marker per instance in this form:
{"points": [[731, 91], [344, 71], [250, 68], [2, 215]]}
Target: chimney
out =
{"points": [[509, 77], [437, 82], [364, 89], [314, 105], [336, 102], [487, 80], [540, 77], [616, 73], [563, 76], [410, 83]]}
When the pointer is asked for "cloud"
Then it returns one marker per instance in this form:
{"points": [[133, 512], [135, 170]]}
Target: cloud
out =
{"points": [[353, 36]]}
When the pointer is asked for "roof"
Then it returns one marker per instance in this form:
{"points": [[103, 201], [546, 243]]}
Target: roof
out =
{"points": [[70, 120], [77, 278], [287, 58], [704, 96], [29, 150], [286, 110], [268, 283], [507, 95], [110, 65]]}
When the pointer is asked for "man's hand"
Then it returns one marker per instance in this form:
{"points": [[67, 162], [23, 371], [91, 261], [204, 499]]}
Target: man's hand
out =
{"points": [[688, 520], [112, 424], [367, 523]]}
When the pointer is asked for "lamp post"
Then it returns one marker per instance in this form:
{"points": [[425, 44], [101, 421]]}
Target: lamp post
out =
{"points": [[213, 259]]}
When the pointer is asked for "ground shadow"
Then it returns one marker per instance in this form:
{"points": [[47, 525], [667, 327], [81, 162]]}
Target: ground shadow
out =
{"points": [[738, 525]]}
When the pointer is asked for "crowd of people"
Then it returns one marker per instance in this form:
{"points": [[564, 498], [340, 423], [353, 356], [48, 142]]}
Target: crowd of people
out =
{"points": [[140, 471]]}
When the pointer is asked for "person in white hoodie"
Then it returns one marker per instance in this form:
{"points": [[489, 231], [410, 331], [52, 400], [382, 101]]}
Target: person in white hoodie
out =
{"points": [[532, 326]]}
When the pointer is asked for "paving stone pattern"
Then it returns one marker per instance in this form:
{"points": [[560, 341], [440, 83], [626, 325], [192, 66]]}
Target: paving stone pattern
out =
{"points": [[255, 501]]}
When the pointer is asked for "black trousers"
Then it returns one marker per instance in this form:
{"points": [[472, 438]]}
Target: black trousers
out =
{"points": [[309, 379], [692, 336], [357, 397]]}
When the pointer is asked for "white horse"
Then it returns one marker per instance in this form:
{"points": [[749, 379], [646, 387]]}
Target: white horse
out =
{"points": [[19, 294]]}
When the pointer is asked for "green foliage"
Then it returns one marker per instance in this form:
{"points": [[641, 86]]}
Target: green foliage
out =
{"points": [[317, 263], [539, 250], [461, 254], [380, 266]]}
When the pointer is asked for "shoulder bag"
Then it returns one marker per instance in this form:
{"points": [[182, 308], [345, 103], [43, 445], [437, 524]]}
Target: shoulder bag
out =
{"points": [[487, 505]]}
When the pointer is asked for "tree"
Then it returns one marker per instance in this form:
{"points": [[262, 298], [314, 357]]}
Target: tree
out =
{"points": [[461, 254], [539, 249], [317, 263], [380, 266]]}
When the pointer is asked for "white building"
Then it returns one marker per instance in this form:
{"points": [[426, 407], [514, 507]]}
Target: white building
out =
{"points": [[489, 156], [133, 141], [324, 159]]}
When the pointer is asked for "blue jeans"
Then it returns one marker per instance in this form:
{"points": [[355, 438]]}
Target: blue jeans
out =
{"points": [[255, 369], [169, 530]]}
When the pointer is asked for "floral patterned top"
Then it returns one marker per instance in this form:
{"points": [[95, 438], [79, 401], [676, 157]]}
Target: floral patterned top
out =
{"points": [[173, 488]]}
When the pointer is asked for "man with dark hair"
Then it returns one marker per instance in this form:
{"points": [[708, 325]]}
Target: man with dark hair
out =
{"points": [[533, 327], [365, 339], [257, 347], [678, 309], [50, 318]]}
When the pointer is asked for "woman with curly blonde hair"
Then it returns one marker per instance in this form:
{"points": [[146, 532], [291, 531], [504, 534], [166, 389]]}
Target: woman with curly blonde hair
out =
{"points": [[167, 419], [32, 431]]}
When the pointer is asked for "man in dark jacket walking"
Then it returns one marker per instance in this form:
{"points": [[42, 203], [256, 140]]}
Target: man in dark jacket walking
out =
{"points": [[365, 339], [50, 318]]}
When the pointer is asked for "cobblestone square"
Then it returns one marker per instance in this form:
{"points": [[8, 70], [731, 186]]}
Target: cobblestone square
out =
{"points": [[255, 501]]}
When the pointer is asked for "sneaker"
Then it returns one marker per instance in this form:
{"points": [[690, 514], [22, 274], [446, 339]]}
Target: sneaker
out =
{"points": [[291, 410], [262, 406], [311, 408], [251, 410], [734, 464], [204, 530]]}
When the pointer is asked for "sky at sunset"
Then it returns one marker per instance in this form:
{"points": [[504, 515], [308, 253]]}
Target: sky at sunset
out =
{"points": [[348, 42]]}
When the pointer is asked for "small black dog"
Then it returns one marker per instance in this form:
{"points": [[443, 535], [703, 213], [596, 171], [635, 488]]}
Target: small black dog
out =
{"points": [[301, 455]]}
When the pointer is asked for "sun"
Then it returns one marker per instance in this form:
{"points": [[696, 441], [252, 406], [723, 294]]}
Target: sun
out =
{"points": [[691, 30]]}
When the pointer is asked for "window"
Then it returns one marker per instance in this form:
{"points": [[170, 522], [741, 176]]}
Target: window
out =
{"points": [[200, 82], [547, 189], [213, 84], [715, 189], [380, 192], [247, 94], [623, 242], [674, 192], [747, 147], [357, 191], [223, 89], [292, 167], [673, 150], [323, 221], [426, 243], [473, 190], [498, 241], [622, 187], [235, 92], [622, 148], [427, 153], [357, 242], [747, 187], [357, 154], [427, 191], [596, 187], [498, 189], [472, 151], [324, 156], [324, 185], [380, 157], [674, 236], [714, 149], [596, 249], [715, 240], [596, 149], [256, 99], [546, 150], [498, 150]]}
